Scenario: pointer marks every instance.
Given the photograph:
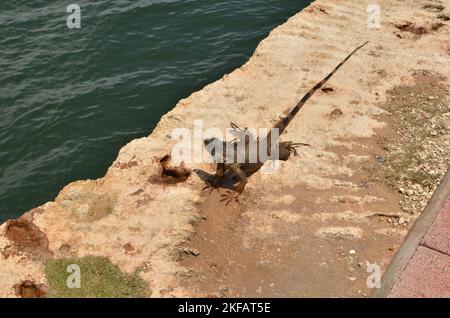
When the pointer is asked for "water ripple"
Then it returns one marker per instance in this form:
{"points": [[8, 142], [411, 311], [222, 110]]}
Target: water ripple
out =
{"points": [[70, 98]]}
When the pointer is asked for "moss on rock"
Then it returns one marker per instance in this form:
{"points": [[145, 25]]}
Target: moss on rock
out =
{"points": [[99, 278]]}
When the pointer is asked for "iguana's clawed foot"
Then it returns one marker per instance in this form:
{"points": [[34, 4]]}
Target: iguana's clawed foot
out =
{"points": [[292, 146], [214, 184], [236, 128], [210, 188], [229, 197], [242, 134]]}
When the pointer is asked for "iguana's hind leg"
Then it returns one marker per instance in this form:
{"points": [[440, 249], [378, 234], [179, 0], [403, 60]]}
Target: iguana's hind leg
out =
{"points": [[286, 148]]}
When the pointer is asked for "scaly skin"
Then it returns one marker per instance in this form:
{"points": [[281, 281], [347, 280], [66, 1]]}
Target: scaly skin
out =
{"points": [[243, 170]]}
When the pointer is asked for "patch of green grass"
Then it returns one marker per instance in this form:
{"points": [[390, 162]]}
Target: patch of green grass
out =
{"points": [[423, 178], [99, 279], [399, 163], [402, 167]]}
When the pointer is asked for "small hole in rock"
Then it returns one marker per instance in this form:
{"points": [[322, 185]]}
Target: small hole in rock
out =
{"points": [[327, 89]]}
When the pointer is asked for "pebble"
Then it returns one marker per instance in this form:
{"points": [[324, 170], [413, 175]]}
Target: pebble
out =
{"points": [[427, 134], [223, 291]]}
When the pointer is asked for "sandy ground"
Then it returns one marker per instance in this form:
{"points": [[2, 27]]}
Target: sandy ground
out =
{"points": [[307, 230]]}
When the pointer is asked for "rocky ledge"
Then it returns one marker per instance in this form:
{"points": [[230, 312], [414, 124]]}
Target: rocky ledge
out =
{"points": [[379, 135]]}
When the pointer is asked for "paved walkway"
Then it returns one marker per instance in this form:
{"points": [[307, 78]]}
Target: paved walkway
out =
{"points": [[427, 274], [421, 267]]}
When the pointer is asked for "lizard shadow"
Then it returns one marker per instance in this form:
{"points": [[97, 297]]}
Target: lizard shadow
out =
{"points": [[227, 182]]}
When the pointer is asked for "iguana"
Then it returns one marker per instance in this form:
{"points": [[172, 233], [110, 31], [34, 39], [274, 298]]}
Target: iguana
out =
{"points": [[242, 170]]}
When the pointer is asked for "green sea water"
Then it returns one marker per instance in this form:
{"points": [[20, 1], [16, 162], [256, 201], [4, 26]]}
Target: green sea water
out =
{"points": [[71, 98]]}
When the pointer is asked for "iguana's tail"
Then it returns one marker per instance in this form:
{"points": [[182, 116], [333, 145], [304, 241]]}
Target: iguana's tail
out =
{"points": [[282, 124]]}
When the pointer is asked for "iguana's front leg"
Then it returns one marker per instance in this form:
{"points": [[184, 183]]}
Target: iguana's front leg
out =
{"points": [[216, 179], [235, 169], [242, 133]]}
